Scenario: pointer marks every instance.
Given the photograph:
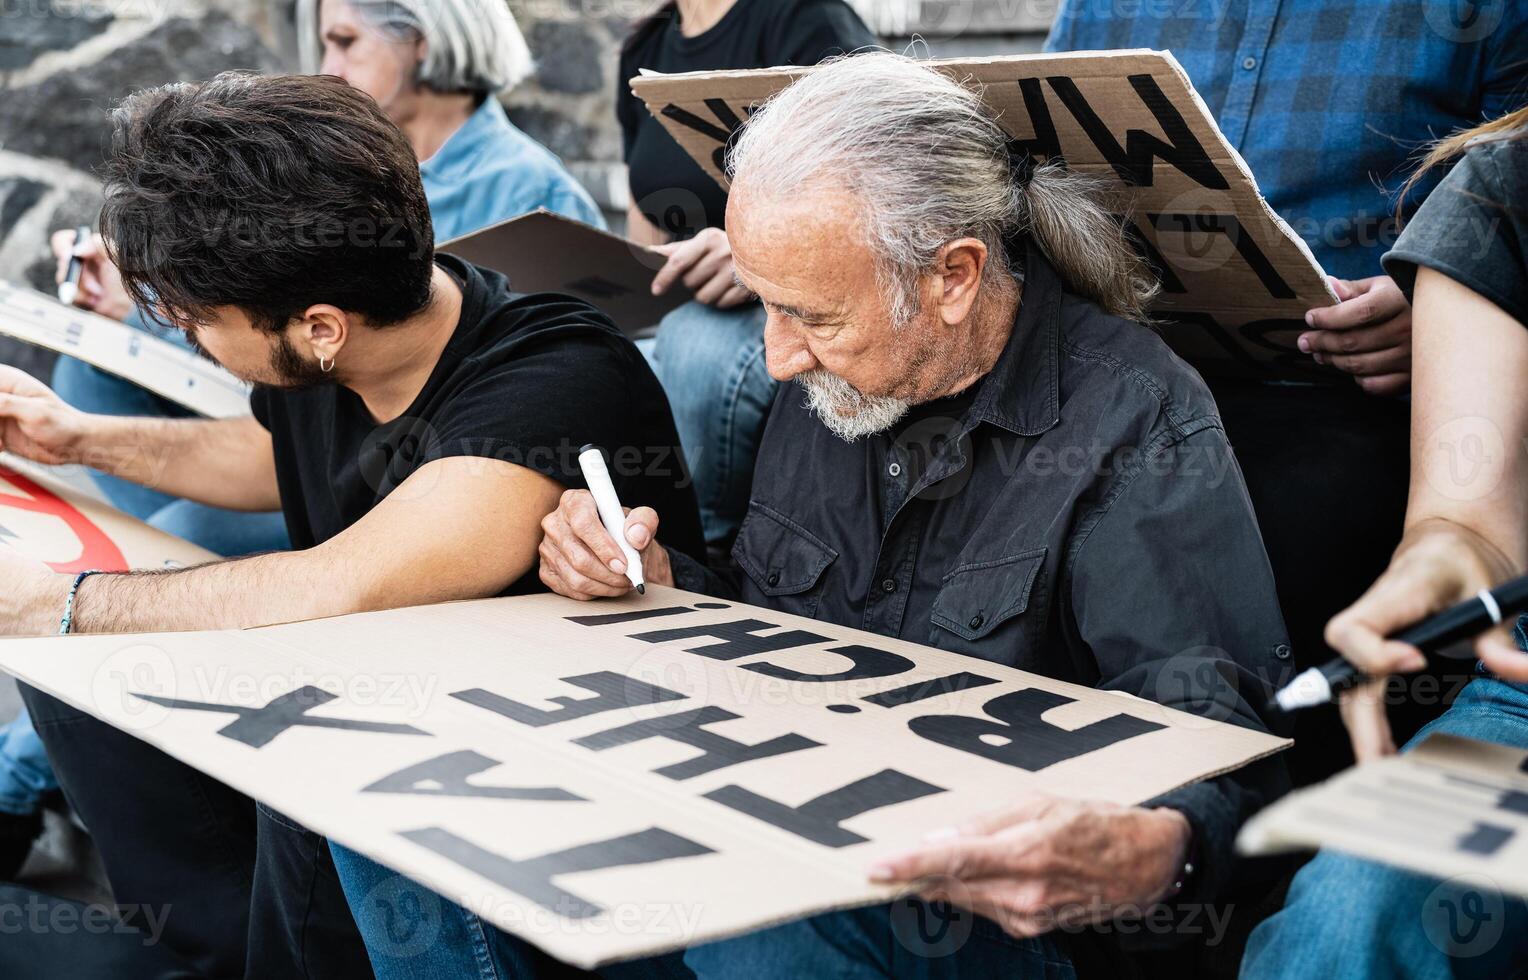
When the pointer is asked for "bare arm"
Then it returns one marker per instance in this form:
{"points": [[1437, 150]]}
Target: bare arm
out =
{"points": [[222, 462], [458, 528], [1467, 519]]}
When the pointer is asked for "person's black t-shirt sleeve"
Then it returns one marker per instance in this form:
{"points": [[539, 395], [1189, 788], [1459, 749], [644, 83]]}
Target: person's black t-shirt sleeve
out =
{"points": [[1473, 228], [260, 405]]}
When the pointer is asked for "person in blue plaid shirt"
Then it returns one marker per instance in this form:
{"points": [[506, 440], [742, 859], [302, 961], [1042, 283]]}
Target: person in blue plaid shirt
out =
{"points": [[1329, 102]]}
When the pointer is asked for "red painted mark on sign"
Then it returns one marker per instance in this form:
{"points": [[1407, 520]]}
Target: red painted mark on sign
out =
{"points": [[96, 549]]}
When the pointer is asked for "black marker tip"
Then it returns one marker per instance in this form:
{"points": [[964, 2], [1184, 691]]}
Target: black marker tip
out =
{"points": [[641, 590]]}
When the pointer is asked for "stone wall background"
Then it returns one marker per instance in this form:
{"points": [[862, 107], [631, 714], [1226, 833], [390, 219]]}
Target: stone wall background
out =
{"points": [[64, 63]]}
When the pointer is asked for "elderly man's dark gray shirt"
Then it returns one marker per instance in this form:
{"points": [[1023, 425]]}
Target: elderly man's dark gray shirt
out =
{"points": [[1076, 513]]}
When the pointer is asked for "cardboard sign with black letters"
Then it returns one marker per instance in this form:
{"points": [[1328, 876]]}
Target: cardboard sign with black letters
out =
{"points": [[546, 252], [616, 779], [172, 372], [1236, 280], [1452, 806]]}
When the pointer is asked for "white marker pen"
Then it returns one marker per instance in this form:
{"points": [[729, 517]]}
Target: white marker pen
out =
{"points": [[70, 287], [592, 461]]}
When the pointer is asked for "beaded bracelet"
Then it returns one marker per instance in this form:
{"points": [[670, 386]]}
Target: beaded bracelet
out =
{"points": [[67, 622]]}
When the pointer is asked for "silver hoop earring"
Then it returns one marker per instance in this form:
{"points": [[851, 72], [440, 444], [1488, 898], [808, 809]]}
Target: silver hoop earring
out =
{"points": [[325, 368]]}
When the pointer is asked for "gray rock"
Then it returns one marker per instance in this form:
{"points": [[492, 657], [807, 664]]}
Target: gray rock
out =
{"points": [[35, 28], [75, 209], [569, 57], [568, 139], [64, 116], [17, 196]]}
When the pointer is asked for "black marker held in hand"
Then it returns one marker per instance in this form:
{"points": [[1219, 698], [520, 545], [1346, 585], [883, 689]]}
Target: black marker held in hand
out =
{"points": [[1489, 608]]}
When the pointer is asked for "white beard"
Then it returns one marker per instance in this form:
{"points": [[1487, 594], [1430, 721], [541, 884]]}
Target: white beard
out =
{"points": [[845, 410]]}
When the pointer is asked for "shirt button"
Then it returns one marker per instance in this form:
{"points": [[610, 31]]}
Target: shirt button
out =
{"points": [[889, 585], [895, 469], [1282, 651], [1249, 63], [977, 621], [773, 579]]}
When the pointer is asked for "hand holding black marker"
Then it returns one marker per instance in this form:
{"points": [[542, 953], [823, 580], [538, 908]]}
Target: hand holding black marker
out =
{"points": [[69, 289], [1491, 607], [592, 461]]}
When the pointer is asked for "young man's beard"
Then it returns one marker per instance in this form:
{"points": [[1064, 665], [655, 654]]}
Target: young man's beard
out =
{"points": [[291, 371], [288, 369]]}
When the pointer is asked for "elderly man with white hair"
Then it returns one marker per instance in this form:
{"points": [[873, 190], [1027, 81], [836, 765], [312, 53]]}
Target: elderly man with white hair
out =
{"points": [[986, 451]]}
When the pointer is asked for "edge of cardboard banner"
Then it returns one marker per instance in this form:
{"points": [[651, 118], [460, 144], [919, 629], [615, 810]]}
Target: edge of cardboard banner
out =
{"points": [[456, 726], [542, 251], [1303, 820], [71, 531], [1288, 261], [152, 363]]}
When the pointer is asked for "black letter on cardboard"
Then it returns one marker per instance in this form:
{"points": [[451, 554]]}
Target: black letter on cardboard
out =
{"points": [[1134, 161], [532, 877], [614, 691], [865, 663], [688, 728], [256, 727], [740, 641], [447, 775], [818, 819], [1028, 742]]}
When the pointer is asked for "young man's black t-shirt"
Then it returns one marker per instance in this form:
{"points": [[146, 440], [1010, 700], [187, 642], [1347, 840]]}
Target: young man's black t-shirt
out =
{"points": [[677, 196], [526, 378]]}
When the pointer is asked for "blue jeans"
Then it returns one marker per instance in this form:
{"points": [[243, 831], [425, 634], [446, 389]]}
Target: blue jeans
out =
{"points": [[711, 364], [24, 771], [908, 940], [413, 934], [1349, 918]]}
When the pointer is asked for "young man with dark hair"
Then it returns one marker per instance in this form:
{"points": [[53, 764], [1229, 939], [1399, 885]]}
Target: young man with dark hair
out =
{"points": [[413, 419]]}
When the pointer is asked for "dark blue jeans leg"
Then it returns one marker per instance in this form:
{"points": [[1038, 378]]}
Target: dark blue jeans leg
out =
{"points": [[907, 940], [300, 926]]}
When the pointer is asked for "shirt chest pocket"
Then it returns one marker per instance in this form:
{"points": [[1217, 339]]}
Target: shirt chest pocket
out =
{"points": [[785, 561], [982, 604]]}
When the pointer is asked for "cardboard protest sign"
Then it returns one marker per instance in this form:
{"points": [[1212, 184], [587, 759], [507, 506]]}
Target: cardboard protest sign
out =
{"points": [[1236, 279], [620, 778], [148, 361], [545, 252], [44, 518], [1452, 806]]}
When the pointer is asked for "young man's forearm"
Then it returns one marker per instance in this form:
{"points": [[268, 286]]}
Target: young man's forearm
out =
{"points": [[220, 462]]}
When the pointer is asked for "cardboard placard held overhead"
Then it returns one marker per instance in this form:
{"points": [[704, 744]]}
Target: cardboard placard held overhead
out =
{"points": [[44, 518], [610, 780], [1452, 806], [171, 372], [1236, 279], [545, 252]]}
